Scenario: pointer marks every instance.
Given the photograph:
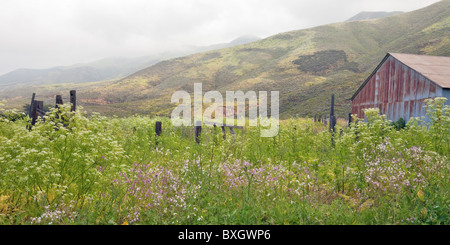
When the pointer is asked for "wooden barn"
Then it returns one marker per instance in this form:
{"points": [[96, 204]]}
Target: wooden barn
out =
{"points": [[401, 83]]}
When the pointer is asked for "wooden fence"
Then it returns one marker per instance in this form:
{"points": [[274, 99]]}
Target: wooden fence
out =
{"points": [[37, 110], [37, 106]]}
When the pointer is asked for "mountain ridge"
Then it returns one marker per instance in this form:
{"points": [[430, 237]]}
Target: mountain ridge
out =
{"points": [[368, 15], [106, 68]]}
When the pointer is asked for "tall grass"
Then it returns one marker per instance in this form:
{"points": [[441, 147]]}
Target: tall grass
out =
{"points": [[101, 170]]}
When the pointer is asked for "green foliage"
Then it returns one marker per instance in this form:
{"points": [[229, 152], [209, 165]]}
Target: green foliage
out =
{"points": [[73, 169], [439, 124], [10, 115], [322, 62], [399, 124]]}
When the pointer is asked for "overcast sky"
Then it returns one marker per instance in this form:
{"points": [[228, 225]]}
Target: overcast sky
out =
{"points": [[46, 33]]}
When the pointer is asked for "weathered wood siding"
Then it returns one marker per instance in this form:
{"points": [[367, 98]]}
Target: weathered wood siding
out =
{"points": [[397, 90]]}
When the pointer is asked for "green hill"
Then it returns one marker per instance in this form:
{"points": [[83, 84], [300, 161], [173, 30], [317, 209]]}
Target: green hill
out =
{"points": [[306, 66]]}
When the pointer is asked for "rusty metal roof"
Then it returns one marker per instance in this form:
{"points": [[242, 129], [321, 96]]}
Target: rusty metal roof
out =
{"points": [[435, 68]]}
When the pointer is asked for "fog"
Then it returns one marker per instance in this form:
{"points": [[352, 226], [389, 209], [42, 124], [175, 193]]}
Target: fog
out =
{"points": [[47, 33]]}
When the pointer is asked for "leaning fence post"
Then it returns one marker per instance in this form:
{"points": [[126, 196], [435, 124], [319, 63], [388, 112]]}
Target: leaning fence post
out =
{"points": [[73, 100], [30, 110], [31, 104], [198, 131]]}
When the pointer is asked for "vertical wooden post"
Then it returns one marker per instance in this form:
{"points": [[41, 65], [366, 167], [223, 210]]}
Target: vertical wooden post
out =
{"points": [[73, 100], [332, 106], [37, 110], [332, 116], [332, 120], [59, 101], [158, 128], [315, 118], [198, 131], [33, 115], [349, 119], [31, 104], [40, 108]]}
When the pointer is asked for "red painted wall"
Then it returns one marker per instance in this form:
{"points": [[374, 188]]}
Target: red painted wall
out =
{"points": [[397, 90]]}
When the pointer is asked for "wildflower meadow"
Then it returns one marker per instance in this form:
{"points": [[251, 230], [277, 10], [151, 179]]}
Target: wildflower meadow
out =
{"points": [[71, 168]]}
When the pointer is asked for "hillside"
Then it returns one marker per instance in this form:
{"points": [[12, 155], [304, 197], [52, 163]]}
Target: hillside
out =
{"points": [[306, 66], [373, 15], [104, 69]]}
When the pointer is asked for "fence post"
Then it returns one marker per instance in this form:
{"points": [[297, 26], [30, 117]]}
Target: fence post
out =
{"points": [[332, 116], [158, 128], [73, 100], [332, 105], [30, 110], [31, 104], [40, 108], [198, 131], [37, 110], [349, 119], [332, 120], [59, 101], [33, 115]]}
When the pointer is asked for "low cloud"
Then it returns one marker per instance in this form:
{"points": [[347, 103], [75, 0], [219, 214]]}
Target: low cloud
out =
{"points": [[46, 33]]}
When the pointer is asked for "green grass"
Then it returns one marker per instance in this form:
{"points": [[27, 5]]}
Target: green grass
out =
{"points": [[110, 170]]}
